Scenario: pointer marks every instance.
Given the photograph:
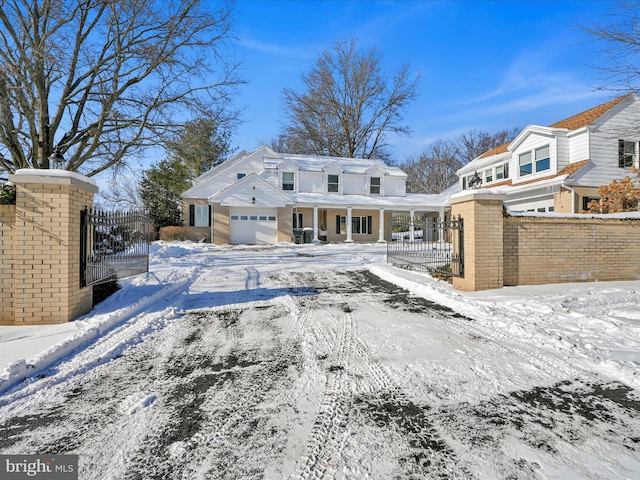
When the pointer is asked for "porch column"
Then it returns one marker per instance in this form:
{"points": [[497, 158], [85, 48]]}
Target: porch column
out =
{"points": [[412, 232], [349, 236], [441, 220], [381, 227], [315, 224]]}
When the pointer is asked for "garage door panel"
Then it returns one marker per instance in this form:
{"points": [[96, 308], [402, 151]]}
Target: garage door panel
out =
{"points": [[253, 226]]}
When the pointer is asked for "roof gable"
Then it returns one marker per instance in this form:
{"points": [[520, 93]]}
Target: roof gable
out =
{"points": [[288, 165], [588, 116], [251, 191], [574, 122], [333, 167]]}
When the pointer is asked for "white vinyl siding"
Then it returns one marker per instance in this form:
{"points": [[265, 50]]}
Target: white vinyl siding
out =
{"points": [[311, 182], [395, 186], [354, 184], [603, 145]]}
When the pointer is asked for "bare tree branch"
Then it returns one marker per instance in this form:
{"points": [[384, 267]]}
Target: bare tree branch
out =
{"points": [[348, 107], [101, 80]]}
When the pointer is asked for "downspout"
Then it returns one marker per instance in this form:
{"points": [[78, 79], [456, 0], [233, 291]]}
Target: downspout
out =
{"points": [[573, 198], [211, 221]]}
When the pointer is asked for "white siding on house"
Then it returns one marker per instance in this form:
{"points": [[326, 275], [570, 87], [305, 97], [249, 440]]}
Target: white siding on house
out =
{"points": [[311, 182], [530, 144], [354, 184], [616, 124], [578, 147], [395, 186], [562, 154]]}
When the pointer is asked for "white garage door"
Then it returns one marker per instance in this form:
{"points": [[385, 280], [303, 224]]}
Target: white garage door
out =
{"points": [[253, 225]]}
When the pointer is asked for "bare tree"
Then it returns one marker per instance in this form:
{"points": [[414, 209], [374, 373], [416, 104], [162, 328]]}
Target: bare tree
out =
{"points": [[123, 192], [349, 106], [434, 170], [97, 81], [472, 144], [621, 43]]}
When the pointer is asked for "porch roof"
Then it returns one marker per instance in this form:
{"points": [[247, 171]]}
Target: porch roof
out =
{"points": [[421, 202]]}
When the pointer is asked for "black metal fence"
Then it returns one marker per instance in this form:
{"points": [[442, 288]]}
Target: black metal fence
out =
{"points": [[113, 245], [427, 244]]}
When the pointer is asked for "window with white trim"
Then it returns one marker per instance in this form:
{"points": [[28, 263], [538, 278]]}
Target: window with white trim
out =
{"points": [[502, 171], [375, 186], [627, 154], [526, 165], [534, 161], [201, 216], [333, 183], [543, 160], [288, 181]]}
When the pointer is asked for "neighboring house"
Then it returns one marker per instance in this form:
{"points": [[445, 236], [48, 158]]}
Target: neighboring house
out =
{"points": [[560, 167], [269, 197]]}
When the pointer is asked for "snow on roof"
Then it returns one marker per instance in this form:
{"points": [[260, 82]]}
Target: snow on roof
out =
{"points": [[410, 201], [349, 165]]}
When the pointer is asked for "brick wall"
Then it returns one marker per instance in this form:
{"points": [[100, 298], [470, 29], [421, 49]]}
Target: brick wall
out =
{"points": [[534, 250], [41, 254], [483, 236], [539, 250], [7, 234]]}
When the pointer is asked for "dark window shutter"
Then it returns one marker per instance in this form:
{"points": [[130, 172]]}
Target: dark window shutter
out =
{"points": [[210, 212], [621, 153], [369, 224], [338, 224], [192, 215]]}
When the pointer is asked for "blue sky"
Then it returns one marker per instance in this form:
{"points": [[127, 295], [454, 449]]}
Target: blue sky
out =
{"points": [[484, 65]]}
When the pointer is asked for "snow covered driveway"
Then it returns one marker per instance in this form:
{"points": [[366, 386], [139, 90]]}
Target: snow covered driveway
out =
{"points": [[301, 362]]}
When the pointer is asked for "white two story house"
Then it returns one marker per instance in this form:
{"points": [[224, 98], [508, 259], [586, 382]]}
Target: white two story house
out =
{"points": [[269, 197], [560, 167]]}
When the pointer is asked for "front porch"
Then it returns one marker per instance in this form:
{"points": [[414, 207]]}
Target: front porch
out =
{"points": [[354, 223]]}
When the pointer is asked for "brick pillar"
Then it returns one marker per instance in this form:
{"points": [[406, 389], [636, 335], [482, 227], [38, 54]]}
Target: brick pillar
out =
{"points": [[47, 246], [483, 241], [7, 245]]}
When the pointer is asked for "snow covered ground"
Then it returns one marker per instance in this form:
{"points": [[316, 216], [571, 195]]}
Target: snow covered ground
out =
{"points": [[309, 362]]}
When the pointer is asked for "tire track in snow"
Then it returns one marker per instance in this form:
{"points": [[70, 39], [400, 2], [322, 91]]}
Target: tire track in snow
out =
{"points": [[362, 393]]}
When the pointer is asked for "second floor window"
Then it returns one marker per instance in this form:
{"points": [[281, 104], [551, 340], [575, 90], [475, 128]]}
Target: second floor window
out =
{"points": [[627, 154], [543, 161], [535, 161], [333, 183], [526, 167], [502, 171], [288, 179], [374, 186]]}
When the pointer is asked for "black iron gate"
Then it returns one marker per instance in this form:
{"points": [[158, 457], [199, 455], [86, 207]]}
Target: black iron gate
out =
{"points": [[427, 244], [112, 245]]}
